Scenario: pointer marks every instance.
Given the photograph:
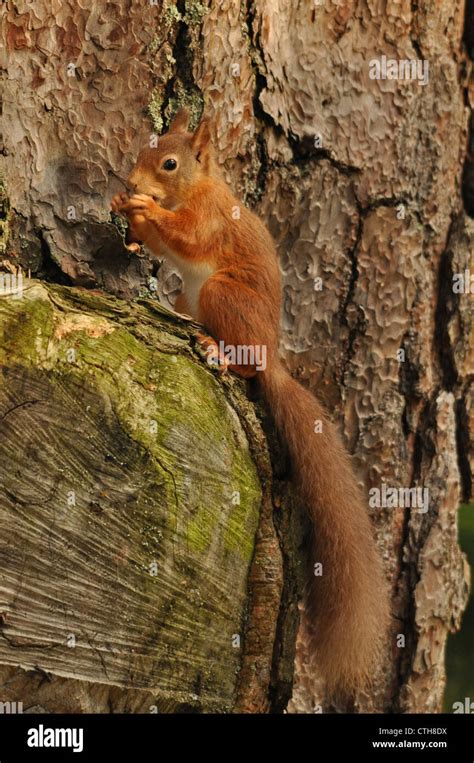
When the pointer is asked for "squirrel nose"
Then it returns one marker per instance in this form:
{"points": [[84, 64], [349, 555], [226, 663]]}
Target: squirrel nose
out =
{"points": [[131, 185]]}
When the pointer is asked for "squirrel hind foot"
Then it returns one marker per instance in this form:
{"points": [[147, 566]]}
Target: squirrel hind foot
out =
{"points": [[212, 353]]}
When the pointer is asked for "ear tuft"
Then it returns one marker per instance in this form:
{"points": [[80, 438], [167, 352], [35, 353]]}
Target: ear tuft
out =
{"points": [[180, 121], [201, 140]]}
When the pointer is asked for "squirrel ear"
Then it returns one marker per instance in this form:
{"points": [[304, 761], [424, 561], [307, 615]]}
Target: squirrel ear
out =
{"points": [[201, 140], [180, 121]]}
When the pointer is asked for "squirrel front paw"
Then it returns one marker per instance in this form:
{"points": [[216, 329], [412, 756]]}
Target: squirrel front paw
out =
{"points": [[133, 241], [118, 202], [141, 205]]}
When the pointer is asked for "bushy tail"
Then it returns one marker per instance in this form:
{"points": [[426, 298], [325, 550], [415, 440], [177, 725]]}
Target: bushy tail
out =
{"points": [[346, 605]]}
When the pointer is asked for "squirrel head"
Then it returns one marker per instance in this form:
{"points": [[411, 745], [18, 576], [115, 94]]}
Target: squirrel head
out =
{"points": [[179, 161]]}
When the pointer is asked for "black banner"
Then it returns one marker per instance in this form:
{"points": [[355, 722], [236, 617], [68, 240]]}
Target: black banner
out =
{"points": [[43, 737]]}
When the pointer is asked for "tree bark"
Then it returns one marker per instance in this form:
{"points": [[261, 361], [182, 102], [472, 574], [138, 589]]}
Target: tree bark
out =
{"points": [[365, 184]]}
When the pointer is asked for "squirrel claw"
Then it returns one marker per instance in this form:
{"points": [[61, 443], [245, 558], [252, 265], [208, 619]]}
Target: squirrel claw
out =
{"points": [[212, 353], [118, 202]]}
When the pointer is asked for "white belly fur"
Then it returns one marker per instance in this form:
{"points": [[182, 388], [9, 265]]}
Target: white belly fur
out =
{"points": [[194, 275]]}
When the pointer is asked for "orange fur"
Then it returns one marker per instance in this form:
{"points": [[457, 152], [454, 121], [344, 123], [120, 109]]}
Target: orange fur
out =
{"points": [[232, 286]]}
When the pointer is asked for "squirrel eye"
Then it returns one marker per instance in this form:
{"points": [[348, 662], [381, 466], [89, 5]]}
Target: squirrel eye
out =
{"points": [[170, 164]]}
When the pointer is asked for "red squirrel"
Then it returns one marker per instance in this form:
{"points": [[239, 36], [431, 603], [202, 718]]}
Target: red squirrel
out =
{"points": [[181, 207]]}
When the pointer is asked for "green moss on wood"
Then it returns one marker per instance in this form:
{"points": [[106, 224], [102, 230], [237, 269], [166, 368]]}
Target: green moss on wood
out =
{"points": [[25, 328]]}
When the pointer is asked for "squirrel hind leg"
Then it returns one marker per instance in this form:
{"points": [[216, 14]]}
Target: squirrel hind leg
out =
{"points": [[236, 316]]}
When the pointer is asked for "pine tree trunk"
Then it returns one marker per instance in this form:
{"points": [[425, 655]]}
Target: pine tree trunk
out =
{"points": [[366, 185]]}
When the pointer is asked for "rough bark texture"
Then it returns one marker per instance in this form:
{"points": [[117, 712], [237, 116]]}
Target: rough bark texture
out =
{"points": [[366, 184]]}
